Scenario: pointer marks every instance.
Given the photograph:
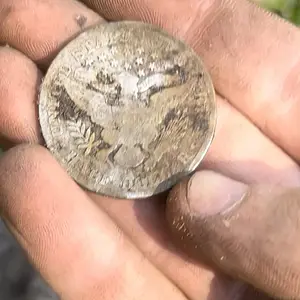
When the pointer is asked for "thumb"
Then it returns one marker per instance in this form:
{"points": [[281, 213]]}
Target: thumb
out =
{"points": [[249, 232]]}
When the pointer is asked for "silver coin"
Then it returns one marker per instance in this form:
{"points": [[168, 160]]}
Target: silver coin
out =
{"points": [[127, 110]]}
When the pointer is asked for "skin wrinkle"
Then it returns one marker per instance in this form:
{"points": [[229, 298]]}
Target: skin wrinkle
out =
{"points": [[43, 44], [22, 127], [197, 10], [250, 107], [289, 87], [208, 14], [247, 161]]}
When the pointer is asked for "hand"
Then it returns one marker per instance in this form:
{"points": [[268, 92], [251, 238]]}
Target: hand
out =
{"points": [[91, 247]]}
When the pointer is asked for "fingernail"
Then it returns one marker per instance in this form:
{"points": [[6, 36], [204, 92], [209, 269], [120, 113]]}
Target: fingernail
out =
{"points": [[210, 193]]}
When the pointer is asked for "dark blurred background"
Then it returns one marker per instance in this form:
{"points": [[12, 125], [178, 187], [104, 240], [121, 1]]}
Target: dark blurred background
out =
{"points": [[18, 280]]}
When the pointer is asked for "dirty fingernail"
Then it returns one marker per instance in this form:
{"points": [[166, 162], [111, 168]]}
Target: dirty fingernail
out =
{"points": [[210, 193]]}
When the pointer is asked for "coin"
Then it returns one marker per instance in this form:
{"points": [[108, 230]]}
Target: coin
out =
{"points": [[127, 109]]}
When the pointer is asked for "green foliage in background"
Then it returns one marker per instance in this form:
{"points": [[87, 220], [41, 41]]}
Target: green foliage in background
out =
{"points": [[287, 9]]}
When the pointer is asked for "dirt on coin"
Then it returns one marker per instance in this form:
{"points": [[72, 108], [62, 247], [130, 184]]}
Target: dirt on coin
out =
{"points": [[127, 109]]}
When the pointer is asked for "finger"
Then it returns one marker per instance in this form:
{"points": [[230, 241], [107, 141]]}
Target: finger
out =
{"points": [[75, 246], [249, 232], [19, 84], [252, 55], [40, 28], [242, 152]]}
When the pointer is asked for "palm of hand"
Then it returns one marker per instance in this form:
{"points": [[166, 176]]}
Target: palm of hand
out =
{"points": [[112, 249]]}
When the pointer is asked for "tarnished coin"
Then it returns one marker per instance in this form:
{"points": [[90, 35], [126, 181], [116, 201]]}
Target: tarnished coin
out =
{"points": [[127, 110]]}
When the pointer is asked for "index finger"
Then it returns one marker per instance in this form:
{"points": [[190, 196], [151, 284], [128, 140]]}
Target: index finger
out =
{"points": [[253, 56]]}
